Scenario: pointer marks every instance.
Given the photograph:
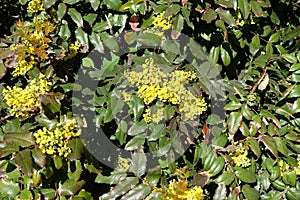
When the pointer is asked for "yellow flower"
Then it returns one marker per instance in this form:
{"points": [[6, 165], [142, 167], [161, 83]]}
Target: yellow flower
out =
{"points": [[123, 163], [239, 156], [55, 141], [163, 23], [24, 102], [154, 84], [23, 66], [178, 190], [35, 6], [147, 115]]}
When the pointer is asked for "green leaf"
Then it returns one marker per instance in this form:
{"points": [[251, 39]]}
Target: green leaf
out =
{"points": [[7, 149], [48, 193], [234, 121], [96, 41], [137, 106], [110, 42], [178, 23], [110, 64], [226, 16], [38, 157], [121, 132], [290, 58], [138, 163], [139, 192], [137, 129], [22, 139], [90, 18], [225, 57], [45, 122], [172, 10], [274, 37], [209, 15], [58, 162], [245, 175], [76, 16], [254, 45], [9, 188], [274, 18], [26, 194], [281, 146], [2, 70], [82, 37], [95, 4], [87, 62], [295, 92], [121, 188], [293, 33], [214, 54], [232, 105], [293, 193], [50, 102], [113, 4], [153, 176], [71, 1], [244, 7], [250, 193], [254, 146], [227, 177], [217, 166], [24, 161], [77, 173], [49, 3], [149, 39], [208, 160], [61, 11], [70, 187], [64, 31], [135, 142], [270, 143], [77, 148], [257, 10]]}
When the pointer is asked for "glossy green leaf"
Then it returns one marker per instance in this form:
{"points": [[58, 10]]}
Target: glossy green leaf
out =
{"points": [[234, 121], [24, 161], [75, 175], [226, 177], [122, 188], [254, 45], [254, 146], [217, 166], [38, 157], [76, 16], [232, 105], [26, 194], [71, 1], [220, 193], [48, 193], [290, 58], [149, 39], [256, 8], [45, 122], [9, 188], [274, 37], [88, 62], [61, 11], [244, 7], [22, 139], [70, 187], [281, 146], [113, 4], [226, 16], [82, 36], [96, 41], [209, 15], [270, 143], [90, 18], [245, 175], [214, 54], [50, 102], [49, 3], [135, 142], [225, 56], [64, 31], [138, 163], [293, 193], [250, 193], [77, 148], [295, 91]]}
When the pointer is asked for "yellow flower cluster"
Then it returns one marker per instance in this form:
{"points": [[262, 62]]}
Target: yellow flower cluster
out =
{"points": [[285, 168], [123, 163], [24, 102], [32, 43], [163, 23], [56, 141], [178, 190], [73, 50], [239, 156], [153, 84], [155, 117], [35, 6]]}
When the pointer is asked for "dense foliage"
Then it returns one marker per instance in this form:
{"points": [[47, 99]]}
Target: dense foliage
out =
{"points": [[145, 99]]}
